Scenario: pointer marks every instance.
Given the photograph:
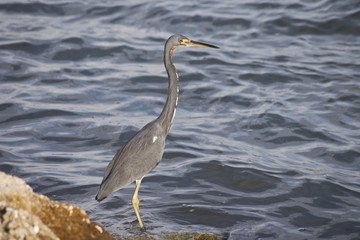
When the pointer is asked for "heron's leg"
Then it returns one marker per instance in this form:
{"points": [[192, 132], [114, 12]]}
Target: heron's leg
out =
{"points": [[135, 202]]}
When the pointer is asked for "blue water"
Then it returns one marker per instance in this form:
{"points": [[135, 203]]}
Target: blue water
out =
{"points": [[266, 138]]}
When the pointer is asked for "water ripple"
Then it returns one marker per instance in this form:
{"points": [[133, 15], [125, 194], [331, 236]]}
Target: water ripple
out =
{"points": [[265, 142]]}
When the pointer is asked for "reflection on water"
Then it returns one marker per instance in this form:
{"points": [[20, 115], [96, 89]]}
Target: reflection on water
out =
{"points": [[265, 143]]}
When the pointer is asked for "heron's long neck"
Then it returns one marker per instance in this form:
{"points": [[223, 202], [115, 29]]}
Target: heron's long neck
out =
{"points": [[168, 113]]}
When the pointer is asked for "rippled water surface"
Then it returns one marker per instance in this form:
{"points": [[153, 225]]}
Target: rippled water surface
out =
{"points": [[266, 139]]}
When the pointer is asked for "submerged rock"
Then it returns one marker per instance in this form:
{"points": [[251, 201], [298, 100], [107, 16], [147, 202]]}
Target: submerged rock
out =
{"points": [[28, 215]]}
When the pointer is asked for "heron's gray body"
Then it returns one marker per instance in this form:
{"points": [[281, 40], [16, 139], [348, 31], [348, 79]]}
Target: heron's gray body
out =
{"points": [[146, 149]]}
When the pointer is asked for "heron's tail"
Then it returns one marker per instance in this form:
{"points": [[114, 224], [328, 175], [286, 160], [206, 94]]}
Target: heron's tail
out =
{"points": [[99, 199], [101, 194]]}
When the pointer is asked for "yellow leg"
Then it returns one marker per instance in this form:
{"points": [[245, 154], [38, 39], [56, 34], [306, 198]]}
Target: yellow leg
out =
{"points": [[135, 202]]}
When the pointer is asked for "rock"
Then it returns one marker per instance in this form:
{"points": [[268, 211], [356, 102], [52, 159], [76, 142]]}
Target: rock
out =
{"points": [[20, 224], [28, 215]]}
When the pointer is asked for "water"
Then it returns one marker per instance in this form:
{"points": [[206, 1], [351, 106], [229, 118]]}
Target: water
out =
{"points": [[265, 142]]}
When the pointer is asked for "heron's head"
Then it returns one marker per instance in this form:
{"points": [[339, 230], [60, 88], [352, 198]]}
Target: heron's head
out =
{"points": [[180, 40]]}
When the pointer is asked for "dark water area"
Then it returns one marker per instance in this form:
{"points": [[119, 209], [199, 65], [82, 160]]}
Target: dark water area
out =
{"points": [[266, 138]]}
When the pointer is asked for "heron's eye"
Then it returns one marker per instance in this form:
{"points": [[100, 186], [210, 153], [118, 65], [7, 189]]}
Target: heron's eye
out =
{"points": [[180, 40]]}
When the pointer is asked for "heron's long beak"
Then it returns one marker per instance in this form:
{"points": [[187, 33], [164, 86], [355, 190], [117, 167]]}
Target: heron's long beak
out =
{"points": [[197, 44]]}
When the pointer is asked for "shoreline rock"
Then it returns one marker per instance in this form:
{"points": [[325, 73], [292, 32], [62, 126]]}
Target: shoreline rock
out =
{"points": [[28, 215]]}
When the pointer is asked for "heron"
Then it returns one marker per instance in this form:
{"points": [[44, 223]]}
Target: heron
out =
{"points": [[144, 151]]}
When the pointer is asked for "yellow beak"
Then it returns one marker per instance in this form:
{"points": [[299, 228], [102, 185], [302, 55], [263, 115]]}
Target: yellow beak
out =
{"points": [[196, 44]]}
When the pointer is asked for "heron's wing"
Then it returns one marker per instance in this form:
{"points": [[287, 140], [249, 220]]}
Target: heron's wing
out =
{"points": [[140, 155]]}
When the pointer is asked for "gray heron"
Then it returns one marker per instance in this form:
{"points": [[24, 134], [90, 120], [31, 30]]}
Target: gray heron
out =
{"points": [[143, 152]]}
